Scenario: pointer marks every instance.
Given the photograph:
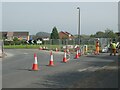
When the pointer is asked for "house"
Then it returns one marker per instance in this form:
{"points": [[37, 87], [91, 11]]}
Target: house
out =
{"points": [[21, 35], [9, 36], [118, 33], [43, 36], [3, 34], [66, 35]]}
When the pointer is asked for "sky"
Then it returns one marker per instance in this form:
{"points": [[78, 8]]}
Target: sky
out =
{"points": [[43, 16], [119, 17]]}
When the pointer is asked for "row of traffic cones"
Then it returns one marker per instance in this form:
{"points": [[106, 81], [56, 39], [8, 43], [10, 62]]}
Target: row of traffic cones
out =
{"points": [[44, 48], [51, 62]]}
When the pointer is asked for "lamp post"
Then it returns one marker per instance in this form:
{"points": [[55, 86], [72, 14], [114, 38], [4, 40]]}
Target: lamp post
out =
{"points": [[79, 38]]}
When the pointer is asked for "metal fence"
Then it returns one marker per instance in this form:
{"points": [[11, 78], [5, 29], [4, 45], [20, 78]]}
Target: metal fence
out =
{"points": [[84, 41], [68, 42]]}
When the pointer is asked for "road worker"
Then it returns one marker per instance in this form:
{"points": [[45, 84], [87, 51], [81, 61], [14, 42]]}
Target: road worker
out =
{"points": [[110, 47], [97, 47], [113, 47]]}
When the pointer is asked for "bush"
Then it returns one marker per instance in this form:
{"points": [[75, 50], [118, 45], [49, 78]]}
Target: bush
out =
{"points": [[17, 42], [23, 42], [8, 43]]}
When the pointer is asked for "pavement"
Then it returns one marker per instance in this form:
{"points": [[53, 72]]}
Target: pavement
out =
{"points": [[88, 71]]}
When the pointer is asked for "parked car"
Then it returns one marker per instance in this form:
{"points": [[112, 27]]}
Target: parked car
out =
{"points": [[105, 49]]}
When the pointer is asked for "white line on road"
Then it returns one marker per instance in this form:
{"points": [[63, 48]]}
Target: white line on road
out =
{"points": [[25, 53], [93, 68], [89, 69]]}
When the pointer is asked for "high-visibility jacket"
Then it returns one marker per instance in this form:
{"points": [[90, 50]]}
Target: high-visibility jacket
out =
{"points": [[113, 46]]}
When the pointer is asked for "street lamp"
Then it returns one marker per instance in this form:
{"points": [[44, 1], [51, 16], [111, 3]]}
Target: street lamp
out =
{"points": [[79, 39]]}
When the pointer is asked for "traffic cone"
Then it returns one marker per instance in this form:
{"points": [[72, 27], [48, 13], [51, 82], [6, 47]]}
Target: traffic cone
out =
{"points": [[44, 48], [64, 57], [79, 53], [40, 48], [51, 63], [77, 56], [35, 65], [56, 49]]}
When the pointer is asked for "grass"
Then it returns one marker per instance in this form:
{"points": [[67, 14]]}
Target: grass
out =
{"points": [[29, 46], [53, 47]]}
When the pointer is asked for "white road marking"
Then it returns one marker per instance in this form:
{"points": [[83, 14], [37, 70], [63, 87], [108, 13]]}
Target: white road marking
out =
{"points": [[81, 70], [25, 53], [110, 67], [94, 68]]}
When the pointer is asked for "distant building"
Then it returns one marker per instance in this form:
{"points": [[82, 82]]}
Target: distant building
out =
{"points": [[9, 36], [46, 38], [66, 35], [43, 36], [118, 33]]}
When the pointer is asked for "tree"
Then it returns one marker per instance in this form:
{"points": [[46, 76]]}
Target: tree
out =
{"points": [[15, 39], [106, 34], [109, 34], [99, 34], [54, 34], [92, 36]]}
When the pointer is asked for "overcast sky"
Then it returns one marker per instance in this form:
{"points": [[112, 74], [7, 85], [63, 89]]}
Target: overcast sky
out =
{"points": [[43, 16]]}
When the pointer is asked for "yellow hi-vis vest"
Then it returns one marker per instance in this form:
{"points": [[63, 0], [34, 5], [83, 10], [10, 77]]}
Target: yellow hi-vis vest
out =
{"points": [[113, 46]]}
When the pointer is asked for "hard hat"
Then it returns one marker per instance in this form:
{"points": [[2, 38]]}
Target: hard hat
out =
{"points": [[97, 39]]}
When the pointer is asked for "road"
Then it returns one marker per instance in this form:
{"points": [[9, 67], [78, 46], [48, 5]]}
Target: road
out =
{"points": [[16, 70]]}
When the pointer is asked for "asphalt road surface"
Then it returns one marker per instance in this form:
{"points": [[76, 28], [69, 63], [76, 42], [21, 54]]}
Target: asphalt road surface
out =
{"points": [[88, 71]]}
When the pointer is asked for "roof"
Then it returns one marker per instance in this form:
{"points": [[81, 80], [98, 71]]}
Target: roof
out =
{"points": [[10, 34], [21, 34], [118, 33], [66, 33], [43, 35]]}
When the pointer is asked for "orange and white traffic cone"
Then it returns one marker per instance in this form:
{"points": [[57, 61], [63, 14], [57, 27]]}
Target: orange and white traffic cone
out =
{"points": [[40, 48], [44, 48], [77, 56], [51, 63], [64, 57], [56, 49], [79, 53], [35, 65]]}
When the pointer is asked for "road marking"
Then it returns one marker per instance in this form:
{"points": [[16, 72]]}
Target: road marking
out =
{"points": [[25, 53], [89, 69], [110, 67], [93, 68], [81, 70]]}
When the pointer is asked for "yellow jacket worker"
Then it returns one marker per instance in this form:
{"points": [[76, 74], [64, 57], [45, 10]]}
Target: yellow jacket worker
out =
{"points": [[113, 46]]}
